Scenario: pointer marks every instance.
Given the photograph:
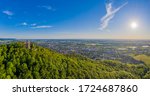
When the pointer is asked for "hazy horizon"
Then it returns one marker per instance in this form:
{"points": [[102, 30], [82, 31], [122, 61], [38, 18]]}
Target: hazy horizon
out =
{"points": [[70, 38]]}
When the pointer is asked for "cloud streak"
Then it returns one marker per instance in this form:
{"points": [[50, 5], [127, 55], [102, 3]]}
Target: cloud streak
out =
{"points": [[7, 12], [28, 24], [35, 26], [47, 7], [50, 8], [24, 24], [110, 14], [42, 27]]}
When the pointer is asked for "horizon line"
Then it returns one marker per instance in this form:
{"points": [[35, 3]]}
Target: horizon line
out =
{"points": [[72, 39]]}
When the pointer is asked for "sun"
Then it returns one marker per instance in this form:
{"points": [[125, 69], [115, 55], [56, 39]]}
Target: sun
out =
{"points": [[134, 25]]}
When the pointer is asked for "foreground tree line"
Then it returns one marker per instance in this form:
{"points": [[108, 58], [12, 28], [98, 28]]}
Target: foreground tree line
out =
{"points": [[19, 62]]}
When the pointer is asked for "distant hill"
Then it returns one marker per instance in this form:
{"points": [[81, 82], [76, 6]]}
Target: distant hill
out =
{"points": [[19, 62], [7, 38]]}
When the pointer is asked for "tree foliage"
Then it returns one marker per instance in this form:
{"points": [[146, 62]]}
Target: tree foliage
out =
{"points": [[19, 62]]}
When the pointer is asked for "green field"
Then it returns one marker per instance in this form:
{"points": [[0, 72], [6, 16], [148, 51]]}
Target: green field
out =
{"points": [[143, 58]]}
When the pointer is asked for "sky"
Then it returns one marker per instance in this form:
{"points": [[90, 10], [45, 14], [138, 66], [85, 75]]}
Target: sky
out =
{"points": [[75, 19]]}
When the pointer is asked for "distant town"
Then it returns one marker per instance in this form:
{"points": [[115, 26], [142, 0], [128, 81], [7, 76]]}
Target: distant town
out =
{"points": [[120, 50]]}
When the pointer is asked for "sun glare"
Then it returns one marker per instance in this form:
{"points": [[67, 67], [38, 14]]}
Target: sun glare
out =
{"points": [[134, 25]]}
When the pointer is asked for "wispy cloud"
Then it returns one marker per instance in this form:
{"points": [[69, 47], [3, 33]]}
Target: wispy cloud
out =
{"points": [[24, 23], [42, 27], [110, 14], [7, 12], [35, 25], [47, 7], [28, 24]]}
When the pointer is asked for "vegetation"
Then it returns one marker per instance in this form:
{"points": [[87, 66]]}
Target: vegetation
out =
{"points": [[19, 62], [143, 58]]}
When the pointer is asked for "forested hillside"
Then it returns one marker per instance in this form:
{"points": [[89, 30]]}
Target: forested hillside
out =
{"points": [[19, 62]]}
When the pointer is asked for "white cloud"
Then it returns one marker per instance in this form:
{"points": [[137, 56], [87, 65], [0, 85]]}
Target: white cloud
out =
{"points": [[7, 12], [34, 24], [24, 24], [42, 27], [110, 14], [27, 24], [47, 7]]}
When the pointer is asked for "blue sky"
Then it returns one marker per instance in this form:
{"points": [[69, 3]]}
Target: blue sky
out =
{"points": [[75, 19]]}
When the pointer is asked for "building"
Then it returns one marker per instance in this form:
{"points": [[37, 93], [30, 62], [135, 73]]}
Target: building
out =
{"points": [[28, 44]]}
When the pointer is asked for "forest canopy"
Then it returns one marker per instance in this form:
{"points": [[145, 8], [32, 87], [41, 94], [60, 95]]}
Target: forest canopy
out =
{"points": [[19, 62]]}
